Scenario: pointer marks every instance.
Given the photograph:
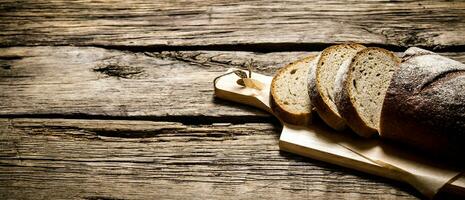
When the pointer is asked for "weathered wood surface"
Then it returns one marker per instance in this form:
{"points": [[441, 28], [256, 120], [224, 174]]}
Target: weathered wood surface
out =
{"points": [[91, 159], [98, 146], [81, 82], [259, 25]]}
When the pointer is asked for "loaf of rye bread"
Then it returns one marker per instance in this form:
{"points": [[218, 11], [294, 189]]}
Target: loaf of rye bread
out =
{"points": [[420, 102], [424, 106]]}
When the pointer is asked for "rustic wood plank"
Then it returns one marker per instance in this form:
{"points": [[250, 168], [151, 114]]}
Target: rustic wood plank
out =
{"points": [[80, 82], [69, 158], [70, 81], [224, 24]]}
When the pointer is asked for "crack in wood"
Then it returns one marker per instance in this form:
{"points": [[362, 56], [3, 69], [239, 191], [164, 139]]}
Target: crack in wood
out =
{"points": [[259, 47], [5, 66], [184, 119], [126, 129], [194, 59], [6, 61], [10, 57], [101, 198], [119, 71]]}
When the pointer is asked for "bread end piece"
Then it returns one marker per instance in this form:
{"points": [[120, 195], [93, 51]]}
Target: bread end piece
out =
{"points": [[289, 100]]}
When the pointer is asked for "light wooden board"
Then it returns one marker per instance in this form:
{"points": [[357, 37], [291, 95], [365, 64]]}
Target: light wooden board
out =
{"points": [[319, 142]]}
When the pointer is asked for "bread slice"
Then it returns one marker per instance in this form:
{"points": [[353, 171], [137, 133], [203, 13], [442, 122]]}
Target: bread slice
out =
{"points": [[321, 90], [364, 87], [290, 101]]}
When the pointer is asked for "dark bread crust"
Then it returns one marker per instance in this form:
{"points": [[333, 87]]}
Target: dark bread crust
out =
{"points": [[331, 118], [424, 105], [344, 102], [302, 119]]}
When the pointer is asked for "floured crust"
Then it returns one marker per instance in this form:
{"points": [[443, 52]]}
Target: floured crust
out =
{"points": [[344, 99], [277, 105], [424, 105], [329, 115]]}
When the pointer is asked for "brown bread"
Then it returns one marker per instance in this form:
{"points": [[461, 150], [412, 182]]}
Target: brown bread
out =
{"points": [[424, 106]]}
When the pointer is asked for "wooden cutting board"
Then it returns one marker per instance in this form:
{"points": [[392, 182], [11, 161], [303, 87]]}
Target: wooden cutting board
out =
{"points": [[344, 148]]}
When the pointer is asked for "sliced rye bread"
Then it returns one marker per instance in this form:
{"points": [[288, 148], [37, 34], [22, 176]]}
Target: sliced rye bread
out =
{"points": [[424, 105], [289, 99], [363, 89], [322, 79]]}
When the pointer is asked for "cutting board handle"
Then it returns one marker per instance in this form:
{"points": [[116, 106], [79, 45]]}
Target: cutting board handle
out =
{"points": [[226, 87]]}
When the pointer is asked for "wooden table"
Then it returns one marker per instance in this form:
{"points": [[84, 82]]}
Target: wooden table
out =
{"points": [[114, 99]]}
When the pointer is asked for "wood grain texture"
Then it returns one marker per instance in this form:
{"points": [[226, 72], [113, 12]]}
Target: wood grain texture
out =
{"points": [[72, 81], [83, 82], [117, 159], [230, 24]]}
